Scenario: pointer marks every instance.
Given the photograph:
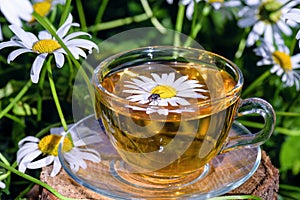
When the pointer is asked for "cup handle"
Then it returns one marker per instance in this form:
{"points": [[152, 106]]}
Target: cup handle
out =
{"points": [[253, 106]]}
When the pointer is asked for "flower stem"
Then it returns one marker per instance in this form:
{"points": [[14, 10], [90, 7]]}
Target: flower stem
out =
{"points": [[197, 26], [34, 180], [153, 19], [118, 22], [101, 10], [16, 99], [179, 23], [81, 15], [55, 96], [40, 94], [258, 81], [64, 14], [241, 47]]}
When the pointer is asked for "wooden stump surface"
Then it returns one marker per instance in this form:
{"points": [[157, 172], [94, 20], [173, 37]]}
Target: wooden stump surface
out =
{"points": [[263, 183]]}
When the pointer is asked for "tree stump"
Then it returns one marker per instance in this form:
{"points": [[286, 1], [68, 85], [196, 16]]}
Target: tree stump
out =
{"points": [[263, 183]]}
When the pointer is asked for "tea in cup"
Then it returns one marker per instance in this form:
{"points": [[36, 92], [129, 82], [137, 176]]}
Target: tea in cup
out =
{"points": [[168, 110]]}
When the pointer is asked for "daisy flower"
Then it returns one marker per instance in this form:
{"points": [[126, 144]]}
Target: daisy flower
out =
{"points": [[283, 65], [163, 91], [293, 16], [266, 19], [45, 44], [31, 148]]}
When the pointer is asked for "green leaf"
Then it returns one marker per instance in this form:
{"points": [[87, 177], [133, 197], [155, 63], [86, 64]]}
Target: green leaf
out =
{"points": [[6, 91], [289, 159], [24, 109]]}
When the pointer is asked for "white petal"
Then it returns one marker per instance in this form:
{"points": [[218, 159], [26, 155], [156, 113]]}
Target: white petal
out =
{"points": [[10, 44], [157, 78], [63, 30], [77, 52], [179, 81], [25, 9], [29, 148], [28, 139], [170, 79], [59, 59], [75, 34], [82, 43], [28, 38], [284, 28], [41, 163], [56, 167], [16, 53], [44, 35], [181, 101], [293, 14], [246, 22], [2, 185], [36, 67], [88, 140], [28, 158]]}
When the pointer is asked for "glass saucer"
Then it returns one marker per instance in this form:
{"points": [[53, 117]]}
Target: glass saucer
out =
{"points": [[227, 171]]}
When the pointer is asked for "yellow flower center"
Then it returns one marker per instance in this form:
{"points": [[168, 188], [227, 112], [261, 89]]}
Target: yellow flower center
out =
{"points": [[46, 46], [164, 91], [270, 11], [49, 144], [284, 60], [215, 1], [42, 8]]}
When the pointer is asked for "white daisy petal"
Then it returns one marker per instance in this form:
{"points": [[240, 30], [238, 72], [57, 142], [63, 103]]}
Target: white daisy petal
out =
{"points": [[16, 53], [2, 185], [14, 11], [77, 52], [28, 139], [27, 159], [59, 59], [44, 35], [56, 167], [82, 43], [88, 140], [10, 44], [27, 38], [41, 163], [22, 152], [36, 67], [63, 30], [75, 34]]}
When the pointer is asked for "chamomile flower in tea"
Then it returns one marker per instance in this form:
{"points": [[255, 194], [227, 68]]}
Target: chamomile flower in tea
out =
{"points": [[45, 44], [283, 65], [163, 90], [31, 148], [266, 19]]}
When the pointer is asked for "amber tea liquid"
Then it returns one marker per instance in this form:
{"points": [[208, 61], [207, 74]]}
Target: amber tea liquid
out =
{"points": [[175, 144]]}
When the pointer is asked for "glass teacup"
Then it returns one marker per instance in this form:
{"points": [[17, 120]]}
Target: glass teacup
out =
{"points": [[168, 110]]}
